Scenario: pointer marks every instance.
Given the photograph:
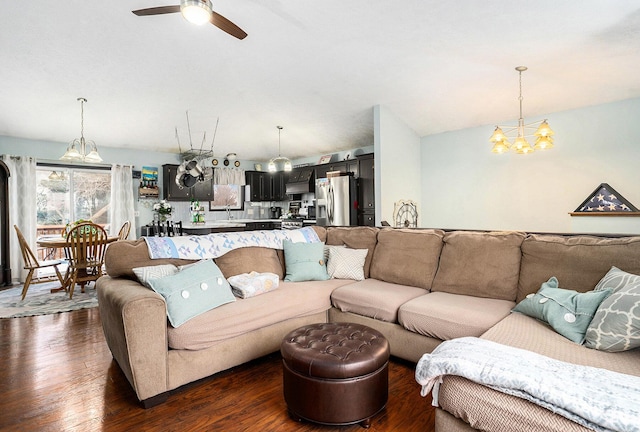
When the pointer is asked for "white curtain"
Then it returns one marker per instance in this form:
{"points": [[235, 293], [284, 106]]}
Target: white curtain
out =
{"points": [[122, 201], [228, 176], [22, 208]]}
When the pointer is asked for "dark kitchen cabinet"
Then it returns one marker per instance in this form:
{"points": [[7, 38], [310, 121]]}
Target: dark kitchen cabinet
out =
{"points": [[278, 186], [266, 186], [349, 166], [201, 191], [257, 187]]}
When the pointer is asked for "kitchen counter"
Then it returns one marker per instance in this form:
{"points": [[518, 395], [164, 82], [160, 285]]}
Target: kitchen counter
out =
{"points": [[235, 225]]}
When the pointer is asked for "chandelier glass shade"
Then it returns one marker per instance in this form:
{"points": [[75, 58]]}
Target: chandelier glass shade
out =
{"points": [[77, 150], [502, 135], [196, 11], [276, 162]]}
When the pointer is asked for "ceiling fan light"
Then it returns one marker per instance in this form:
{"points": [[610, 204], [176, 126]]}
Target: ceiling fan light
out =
{"points": [[197, 12]]}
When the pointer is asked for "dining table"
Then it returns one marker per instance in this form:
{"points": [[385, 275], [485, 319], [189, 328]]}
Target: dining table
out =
{"points": [[52, 242]]}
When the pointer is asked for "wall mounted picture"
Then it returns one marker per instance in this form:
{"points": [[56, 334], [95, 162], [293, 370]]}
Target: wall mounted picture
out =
{"points": [[605, 200], [227, 197]]}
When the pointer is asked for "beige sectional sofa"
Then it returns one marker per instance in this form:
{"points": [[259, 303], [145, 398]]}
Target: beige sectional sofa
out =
{"points": [[422, 287]]}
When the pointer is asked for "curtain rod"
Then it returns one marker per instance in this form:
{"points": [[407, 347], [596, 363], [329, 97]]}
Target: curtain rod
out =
{"points": [[63, 164]]}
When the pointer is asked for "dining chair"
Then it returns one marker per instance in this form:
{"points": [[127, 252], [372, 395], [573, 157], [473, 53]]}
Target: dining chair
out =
{"points": [[85, 246], [34, 266], [123, 234]]}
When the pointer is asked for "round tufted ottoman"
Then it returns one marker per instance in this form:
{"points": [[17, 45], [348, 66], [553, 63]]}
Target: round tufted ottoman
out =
{"points": [[335, 373]]}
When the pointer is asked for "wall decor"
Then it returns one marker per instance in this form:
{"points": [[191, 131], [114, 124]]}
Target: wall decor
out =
{"points": [[605, 201], [325, 159], [405, 214], [227, 197]]}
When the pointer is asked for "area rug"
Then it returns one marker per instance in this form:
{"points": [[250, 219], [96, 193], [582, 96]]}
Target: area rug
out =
{"points": [[40, 301]]}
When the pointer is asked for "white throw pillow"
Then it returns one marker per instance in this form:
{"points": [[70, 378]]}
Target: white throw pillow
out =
{"points": [[346, 263]]}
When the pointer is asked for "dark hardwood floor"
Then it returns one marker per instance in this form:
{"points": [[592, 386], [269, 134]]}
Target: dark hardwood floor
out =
{"points": [[57, 374]]}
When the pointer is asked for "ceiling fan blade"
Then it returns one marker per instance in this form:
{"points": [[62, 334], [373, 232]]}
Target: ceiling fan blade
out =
{"points": [[157, 10], [227, 26]]}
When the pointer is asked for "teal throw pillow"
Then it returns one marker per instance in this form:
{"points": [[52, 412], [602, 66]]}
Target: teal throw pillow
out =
{"points": [[616, 324], [193, 291], [304, 261], [568, 312]]}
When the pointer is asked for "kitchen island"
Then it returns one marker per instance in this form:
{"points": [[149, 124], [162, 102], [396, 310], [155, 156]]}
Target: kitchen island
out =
{"points": [[236, 225]]}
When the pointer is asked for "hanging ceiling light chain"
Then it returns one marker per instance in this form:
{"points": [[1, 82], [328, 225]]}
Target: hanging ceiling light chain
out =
{"points": [[80, 154], [543, 132]]}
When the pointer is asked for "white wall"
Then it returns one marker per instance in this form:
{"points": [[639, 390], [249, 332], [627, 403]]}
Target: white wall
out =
{"points": [[466, 186], [397, 163]]}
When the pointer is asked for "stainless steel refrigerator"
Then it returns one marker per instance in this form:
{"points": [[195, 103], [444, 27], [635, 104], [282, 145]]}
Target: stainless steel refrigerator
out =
{"points": [[336, 201]]}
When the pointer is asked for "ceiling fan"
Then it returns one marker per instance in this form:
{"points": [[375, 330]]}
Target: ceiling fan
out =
{"points": [[197, 12]]}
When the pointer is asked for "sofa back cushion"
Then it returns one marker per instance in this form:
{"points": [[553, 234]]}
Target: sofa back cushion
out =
{"points": [[481, 264], [407, 257], [578, 261], [355, 238], [124, 255], [248, 259]]}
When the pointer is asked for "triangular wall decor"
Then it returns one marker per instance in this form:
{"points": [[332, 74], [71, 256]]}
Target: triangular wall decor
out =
{"points": [[605, 199]]}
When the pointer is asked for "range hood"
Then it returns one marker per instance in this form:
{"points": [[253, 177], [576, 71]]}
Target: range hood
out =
{"points": [[301, 180]]}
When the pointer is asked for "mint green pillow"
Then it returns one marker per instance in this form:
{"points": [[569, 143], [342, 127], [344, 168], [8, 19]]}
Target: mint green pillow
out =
{"points": [[568, 312], [193, 291], [304, 261]]}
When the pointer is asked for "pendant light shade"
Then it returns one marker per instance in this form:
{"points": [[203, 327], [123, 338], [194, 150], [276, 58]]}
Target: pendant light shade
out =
{"points": [[274, 163]]}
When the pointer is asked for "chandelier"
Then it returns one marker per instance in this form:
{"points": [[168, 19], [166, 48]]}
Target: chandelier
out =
{"points": [[543, 133], [77, 150], [280, 159]]}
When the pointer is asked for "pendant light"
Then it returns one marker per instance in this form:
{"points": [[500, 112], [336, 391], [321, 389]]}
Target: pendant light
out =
{"points": [[543, 133], [280, 159], [77, 150]]}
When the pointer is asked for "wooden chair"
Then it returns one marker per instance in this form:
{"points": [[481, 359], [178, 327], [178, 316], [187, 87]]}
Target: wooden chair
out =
{"points": [[32, 264], [86, 246], [123, 234]]}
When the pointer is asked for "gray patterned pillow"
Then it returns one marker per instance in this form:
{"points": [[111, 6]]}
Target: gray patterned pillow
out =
{"points": [[146, 274], [616, 279], [616, 324]]}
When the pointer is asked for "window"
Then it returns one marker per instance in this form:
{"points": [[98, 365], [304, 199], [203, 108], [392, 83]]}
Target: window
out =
{"points": [[67, 194]]}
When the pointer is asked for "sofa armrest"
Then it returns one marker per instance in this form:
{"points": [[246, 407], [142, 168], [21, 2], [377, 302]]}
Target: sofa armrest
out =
{"points": [[134, 321]]}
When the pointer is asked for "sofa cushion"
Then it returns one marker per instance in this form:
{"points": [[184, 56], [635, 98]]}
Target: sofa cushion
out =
{"points": [[355, 238], [304, 261], [321, 231], [481, 264], [374, 299], [248, 259], [407, 257], [578, 261], [346, 263], [122, 256], [193, 291], [447, 316], [616, 324], [567, 311], [290, 300]]}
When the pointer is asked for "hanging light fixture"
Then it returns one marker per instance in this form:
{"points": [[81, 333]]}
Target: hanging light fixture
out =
{"points": [[543, 134], [280, 159], [77, 150], [196, 11]]}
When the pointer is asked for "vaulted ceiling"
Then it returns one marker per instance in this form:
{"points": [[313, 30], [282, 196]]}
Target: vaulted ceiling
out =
{"points": [[315, 67]]}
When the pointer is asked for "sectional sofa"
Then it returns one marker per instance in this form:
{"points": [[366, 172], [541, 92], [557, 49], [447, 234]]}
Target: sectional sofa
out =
{"points": [[420, 287]]}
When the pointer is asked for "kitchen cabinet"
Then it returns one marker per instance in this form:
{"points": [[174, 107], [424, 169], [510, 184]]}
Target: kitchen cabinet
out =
{"points": [[201, 191], [265, 186], [348, 166]]}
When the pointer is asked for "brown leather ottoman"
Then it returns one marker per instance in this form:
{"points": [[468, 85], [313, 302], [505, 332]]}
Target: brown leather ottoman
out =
{"points": [[335, 373]]}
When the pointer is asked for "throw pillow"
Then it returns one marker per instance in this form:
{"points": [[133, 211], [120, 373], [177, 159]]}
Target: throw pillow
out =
{"points": [[304, 261], [193, 291], [617, 279], [327, 251], [616, 324], [346, 263], [568, 312], [145, 274]]}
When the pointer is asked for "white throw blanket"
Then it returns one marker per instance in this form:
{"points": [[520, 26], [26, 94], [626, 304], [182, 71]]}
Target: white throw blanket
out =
{"points": [[596, 398], [247, 285], [197, 247]]}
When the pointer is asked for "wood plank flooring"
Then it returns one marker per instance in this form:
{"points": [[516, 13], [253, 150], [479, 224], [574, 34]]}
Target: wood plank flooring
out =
{"points": [[57, 374]]}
